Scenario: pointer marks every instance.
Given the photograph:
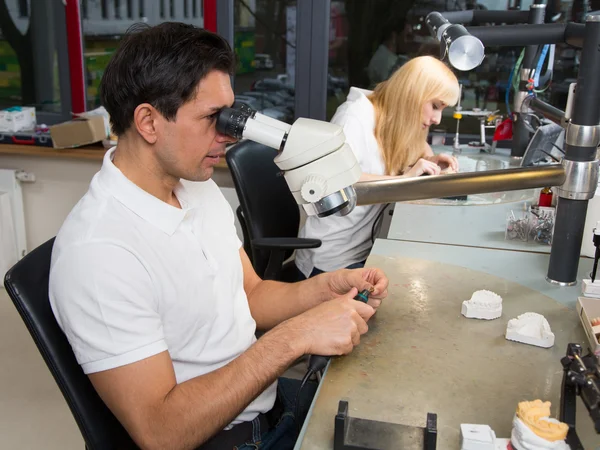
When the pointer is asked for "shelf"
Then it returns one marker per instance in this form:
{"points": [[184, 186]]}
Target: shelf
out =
{"points": [[94, 152]]}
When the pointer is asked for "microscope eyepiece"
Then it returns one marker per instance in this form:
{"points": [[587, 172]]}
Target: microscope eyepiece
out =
{"points": [[231, 122]]}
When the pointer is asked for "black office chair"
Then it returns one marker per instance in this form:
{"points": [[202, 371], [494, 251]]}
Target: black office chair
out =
{"points": [[27, 285], [268, 212]]}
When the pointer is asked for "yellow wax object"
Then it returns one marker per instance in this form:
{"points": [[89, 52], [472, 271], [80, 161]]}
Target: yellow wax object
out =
{"points": [[533, 414], [457, 115]]}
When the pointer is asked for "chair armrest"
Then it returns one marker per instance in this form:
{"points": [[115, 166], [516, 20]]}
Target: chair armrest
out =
{"points": [[285, 243]]}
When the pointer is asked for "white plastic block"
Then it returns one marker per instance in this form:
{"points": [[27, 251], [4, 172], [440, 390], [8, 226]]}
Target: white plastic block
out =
{"points": [[590, 289], [530, 328], [477, 437], [482, 305]]}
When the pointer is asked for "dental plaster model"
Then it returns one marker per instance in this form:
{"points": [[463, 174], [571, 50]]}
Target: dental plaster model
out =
{"points": [[589, 289], [530, 328], [480, 437], [534, 429], [482, 305]]}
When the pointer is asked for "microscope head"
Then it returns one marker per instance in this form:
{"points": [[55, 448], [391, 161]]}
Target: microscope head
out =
{"points": [[319, 167]]}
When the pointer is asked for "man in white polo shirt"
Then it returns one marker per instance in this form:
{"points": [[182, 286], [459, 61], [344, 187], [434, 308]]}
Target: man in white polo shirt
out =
{"points": [[151, 285]]}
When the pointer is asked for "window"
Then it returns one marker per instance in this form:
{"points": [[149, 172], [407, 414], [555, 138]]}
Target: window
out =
{"points": [[265, 42], [108, 20], [33, 59], [359, 29]]}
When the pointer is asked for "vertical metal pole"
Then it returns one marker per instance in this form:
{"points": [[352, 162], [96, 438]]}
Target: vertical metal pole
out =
{"points": [[225, 20], [312, 58], [581, 141], [521, 133]]}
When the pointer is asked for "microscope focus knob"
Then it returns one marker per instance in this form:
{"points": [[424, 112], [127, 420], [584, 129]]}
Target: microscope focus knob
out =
{"points": [[313, 189]]}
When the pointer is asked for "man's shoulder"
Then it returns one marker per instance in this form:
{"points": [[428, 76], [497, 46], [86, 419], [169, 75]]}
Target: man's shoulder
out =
{"points": [[96, 217]]}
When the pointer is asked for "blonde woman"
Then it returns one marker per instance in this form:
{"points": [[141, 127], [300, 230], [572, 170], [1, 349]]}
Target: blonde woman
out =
{"points": [[387, 130]]}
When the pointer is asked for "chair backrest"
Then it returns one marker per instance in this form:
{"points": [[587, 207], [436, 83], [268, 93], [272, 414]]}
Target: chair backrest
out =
{"points": [[266, 201], [27, 285]]}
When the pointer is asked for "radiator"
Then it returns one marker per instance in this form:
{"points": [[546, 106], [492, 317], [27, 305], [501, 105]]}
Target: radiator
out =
{"points": [[13, 240]]}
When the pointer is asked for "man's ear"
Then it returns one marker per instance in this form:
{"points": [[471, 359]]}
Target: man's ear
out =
{"points": [[145, 119]]}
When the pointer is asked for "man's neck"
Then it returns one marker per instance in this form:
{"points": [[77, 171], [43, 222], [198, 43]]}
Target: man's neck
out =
{"points": [[138, 163]]}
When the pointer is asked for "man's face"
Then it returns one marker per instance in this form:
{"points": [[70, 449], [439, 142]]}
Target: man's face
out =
{"points": [[189, 146]]}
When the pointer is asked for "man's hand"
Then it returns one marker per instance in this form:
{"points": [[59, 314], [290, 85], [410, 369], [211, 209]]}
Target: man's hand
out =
{"points": [[444, 160], [332, 328], [341, 281]]}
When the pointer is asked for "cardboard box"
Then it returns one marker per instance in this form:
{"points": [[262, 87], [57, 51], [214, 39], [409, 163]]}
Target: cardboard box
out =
{"points": [[78, 132], [17, 118], [588, 309]]}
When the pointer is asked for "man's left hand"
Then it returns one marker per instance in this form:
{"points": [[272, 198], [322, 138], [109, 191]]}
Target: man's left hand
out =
{"points": [[444, 160], [341, 281]]}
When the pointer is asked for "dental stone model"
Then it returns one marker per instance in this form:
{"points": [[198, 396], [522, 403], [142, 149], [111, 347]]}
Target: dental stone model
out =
{"points": [[533, 429], [530, 328], [482, 305]]}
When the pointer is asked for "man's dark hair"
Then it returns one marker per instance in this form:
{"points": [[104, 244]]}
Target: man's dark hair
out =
{"points": [[162, 66]]}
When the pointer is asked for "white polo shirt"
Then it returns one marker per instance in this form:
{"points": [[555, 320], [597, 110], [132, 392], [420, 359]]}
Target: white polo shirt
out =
{"points": [[133, 276], [347, 240]]}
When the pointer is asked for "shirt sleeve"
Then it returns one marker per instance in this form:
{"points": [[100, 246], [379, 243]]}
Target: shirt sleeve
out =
{"points": [[104, 300]]}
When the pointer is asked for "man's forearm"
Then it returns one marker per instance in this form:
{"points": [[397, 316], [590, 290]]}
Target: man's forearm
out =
{"points": [[197, 409], [272, 302]]}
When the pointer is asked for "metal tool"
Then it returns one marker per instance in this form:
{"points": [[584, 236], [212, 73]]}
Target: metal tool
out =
{"points": [[597, 254]]}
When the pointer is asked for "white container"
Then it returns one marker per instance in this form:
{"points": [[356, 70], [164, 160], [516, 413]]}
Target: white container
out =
{"points": [[587, 309], [17, 119]]}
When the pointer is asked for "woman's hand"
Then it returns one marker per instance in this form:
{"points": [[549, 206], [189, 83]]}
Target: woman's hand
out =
{"points": [[423, 166], [444, 160]]}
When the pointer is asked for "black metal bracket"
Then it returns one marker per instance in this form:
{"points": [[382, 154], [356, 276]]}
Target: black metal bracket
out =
{"points": [[363, 434], [581, 377]]}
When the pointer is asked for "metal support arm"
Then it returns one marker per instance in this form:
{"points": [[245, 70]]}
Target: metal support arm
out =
{"points": [[420, 188]]}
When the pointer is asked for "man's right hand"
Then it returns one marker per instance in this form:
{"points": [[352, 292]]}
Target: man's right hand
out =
{"points": [[421, 167], [332, 328]]}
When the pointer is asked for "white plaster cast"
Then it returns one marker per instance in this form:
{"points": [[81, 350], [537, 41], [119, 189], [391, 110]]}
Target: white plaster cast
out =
{"points": [[482, 305], [530, 328], [590, 289]]}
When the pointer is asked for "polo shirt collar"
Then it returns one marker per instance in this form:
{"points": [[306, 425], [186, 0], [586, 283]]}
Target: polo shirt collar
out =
{"points": [[154, 211], [366, 109]]}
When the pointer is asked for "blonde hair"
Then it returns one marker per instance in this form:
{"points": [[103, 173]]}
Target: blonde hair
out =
{"points": [[399, 103]]}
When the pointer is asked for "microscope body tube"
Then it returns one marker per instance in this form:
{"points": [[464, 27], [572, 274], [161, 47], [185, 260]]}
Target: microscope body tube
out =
{"points": [[270, 136], [272, 122], [581, 141]]}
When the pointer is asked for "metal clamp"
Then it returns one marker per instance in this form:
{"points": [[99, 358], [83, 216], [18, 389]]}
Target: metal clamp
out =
{"points": [[583, 135], [581, 180]]}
